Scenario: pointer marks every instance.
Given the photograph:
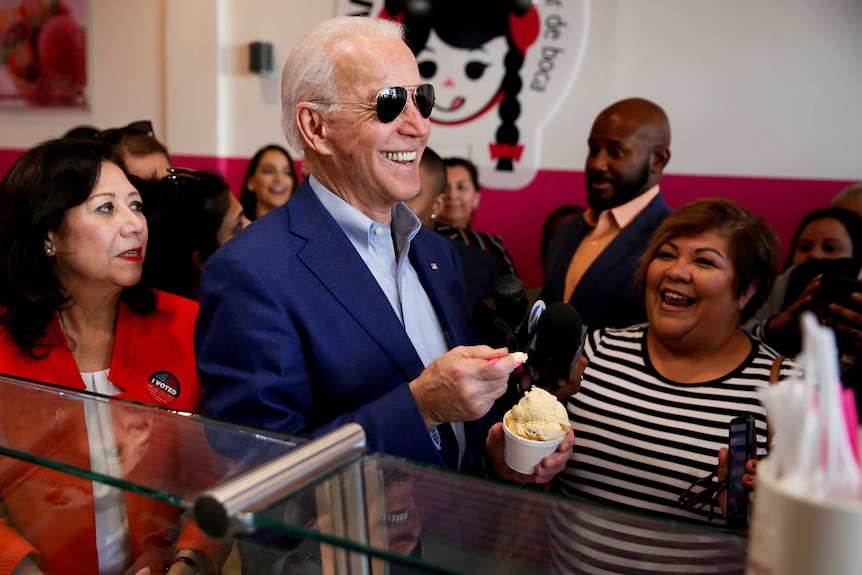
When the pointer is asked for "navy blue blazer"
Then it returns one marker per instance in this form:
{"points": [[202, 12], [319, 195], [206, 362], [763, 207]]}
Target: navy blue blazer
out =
{"points": [[294, 334], [607, 295]]}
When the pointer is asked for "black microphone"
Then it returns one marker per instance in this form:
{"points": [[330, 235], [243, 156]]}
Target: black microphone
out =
{"points": [[510, 307], [555, 345], [510, 300]]}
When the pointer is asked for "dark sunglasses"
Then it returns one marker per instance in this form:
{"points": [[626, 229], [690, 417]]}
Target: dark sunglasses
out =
{"points": [[182, 173], [142, 128], [701, 493], [162, 197], [391, 102], [183, 176]]}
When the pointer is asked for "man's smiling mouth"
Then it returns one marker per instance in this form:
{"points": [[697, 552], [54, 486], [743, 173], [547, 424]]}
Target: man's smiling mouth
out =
{"points": [[402, 157]]}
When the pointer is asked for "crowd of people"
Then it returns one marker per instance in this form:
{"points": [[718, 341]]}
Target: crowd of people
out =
{"points": [[349, 293]]}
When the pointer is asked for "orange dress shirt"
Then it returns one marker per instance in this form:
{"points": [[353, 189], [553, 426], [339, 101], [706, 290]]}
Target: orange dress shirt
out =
{"points": [[605, 228]]}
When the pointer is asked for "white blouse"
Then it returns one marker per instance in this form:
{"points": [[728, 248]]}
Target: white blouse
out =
{"points": [[112, 524]]}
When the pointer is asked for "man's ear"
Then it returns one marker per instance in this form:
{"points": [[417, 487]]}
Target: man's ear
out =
{"points": [[660, 158], [312, 127]]}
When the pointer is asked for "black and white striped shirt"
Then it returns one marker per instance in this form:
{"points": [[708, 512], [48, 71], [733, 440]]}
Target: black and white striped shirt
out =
{"points": [[488, 242], [641, 439], [590, 539]]}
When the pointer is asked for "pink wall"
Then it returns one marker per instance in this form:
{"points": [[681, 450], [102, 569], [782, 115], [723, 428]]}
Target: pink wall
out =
{"points": [[518, 216]]}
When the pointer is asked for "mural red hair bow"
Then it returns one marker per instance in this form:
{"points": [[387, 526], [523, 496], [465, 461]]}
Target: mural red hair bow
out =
{"points": [[506, 151], [524, 29]]}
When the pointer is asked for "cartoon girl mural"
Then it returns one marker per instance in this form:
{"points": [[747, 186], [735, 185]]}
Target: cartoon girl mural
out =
{"points": [[472, 51]]}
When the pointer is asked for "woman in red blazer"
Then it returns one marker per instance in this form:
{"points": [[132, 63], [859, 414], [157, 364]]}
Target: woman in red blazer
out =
{"points": [[72, 313]]}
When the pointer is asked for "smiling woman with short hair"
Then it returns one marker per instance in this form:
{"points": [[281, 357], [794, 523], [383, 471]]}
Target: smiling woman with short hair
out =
{"points": [[652, 413]]}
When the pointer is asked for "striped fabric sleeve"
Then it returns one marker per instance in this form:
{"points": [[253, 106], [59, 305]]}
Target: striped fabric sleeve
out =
{"points": [[642, 439]]}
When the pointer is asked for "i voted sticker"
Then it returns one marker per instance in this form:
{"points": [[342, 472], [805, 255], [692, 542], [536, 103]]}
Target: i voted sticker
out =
{"points": [[163, 387]]}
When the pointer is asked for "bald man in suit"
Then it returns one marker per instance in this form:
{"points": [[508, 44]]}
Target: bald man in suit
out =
{"points": [[592, 258]]}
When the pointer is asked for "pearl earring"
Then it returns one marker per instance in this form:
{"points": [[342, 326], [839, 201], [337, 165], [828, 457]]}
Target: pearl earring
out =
{"points": [[433, 216], [49, 251], [741, 304]]}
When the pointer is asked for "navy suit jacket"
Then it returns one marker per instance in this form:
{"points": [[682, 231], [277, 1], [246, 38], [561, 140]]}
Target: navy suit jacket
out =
{"points": [[607, 295], [294, 334]]}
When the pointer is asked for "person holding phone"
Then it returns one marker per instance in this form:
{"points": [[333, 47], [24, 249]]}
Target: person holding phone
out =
{"points": [[827, 243], [652, 415]]}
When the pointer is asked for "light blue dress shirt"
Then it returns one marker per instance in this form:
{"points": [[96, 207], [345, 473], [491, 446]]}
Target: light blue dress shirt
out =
{"points": [[385, 250]]}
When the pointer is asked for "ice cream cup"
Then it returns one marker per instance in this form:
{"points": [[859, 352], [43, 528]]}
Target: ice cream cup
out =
{"points": [[523, 455]]}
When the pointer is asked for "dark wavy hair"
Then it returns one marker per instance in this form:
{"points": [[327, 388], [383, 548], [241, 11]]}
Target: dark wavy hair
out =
{"points": [[37, 191], [469, 25], [184, 211], [849, 219], [753, 246], [247, 198]]}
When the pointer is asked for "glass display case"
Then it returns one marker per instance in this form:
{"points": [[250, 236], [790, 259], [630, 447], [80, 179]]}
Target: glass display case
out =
{"points": [[256, 502]]}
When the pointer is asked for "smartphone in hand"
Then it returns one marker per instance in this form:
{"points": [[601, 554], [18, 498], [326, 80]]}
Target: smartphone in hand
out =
{"points": [[838, 289], [742, 446]]}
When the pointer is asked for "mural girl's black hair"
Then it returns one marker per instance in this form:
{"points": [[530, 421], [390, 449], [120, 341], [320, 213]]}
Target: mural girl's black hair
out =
{"points": [[469, 25]]}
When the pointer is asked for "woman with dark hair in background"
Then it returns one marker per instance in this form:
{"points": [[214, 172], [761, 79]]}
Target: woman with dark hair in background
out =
{"points": [[454, 210], [190, 215], [828, 233], [73, 313], [827, 241], [269, 182]]}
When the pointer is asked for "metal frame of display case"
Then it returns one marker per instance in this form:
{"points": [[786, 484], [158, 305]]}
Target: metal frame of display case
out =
{"points": [[286, 500]]}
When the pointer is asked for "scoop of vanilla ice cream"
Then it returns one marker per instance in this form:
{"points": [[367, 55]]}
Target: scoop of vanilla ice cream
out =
{"points": [[538, 416]]}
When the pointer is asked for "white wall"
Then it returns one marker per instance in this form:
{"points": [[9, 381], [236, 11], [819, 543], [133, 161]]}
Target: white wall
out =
{"points": [[768, 88], [253, 101], [125, 76]]}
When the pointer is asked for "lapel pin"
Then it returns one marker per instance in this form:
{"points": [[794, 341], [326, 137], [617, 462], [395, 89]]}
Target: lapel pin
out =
{"points": [[434, 266]]}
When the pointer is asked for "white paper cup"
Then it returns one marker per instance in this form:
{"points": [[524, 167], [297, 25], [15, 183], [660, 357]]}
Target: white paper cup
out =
{"points": [[801, 534], [523, 455]]}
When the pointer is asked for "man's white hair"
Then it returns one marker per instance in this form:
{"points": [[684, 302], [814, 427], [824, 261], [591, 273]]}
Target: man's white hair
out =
{"points": [[309, 72]]}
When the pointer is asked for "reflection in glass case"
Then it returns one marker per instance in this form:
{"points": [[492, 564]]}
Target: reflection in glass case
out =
{"points": [[254, 502]]}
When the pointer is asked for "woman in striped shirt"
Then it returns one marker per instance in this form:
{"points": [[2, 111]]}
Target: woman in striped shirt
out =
{"points": [[653, 410]]}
